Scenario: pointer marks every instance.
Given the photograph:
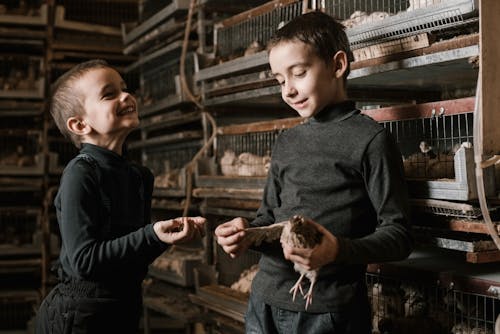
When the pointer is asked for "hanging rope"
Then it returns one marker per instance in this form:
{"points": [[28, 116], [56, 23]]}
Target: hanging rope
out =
{"points": [[478, 159], [190, 167]]}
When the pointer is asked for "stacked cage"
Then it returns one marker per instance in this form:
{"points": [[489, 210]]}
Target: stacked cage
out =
{"points": [[22, 160], [435, 140], [457, 300], [240, 70], [21, 76], [231, 182], [378, 22], [172, 131], [89, 29]]}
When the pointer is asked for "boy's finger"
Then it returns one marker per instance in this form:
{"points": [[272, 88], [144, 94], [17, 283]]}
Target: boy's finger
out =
{"points": [[166, 224], [198, 220], [226, 230], [231, 239]]}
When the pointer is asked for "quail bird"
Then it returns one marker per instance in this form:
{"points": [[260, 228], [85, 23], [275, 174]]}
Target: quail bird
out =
{"points": [[297, 232]]}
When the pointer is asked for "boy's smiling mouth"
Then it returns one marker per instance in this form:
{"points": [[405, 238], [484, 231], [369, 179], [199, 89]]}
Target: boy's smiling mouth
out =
{"points": [[127, 110], [300, 103]]}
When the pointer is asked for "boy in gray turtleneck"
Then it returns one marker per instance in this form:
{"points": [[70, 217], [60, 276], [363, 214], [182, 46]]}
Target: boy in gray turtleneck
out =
{"points": [[340, 169]]}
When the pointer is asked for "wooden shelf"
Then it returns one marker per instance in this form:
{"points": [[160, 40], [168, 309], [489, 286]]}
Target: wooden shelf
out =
{"points": [[175, 8]]}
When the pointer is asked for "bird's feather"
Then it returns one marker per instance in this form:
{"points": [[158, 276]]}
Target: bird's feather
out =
{"points": [[297, 232], [256, 235]]}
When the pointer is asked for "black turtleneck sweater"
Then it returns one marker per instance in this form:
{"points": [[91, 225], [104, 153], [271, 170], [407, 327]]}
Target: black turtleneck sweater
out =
{"points": [[343, 170], [113, 243]]}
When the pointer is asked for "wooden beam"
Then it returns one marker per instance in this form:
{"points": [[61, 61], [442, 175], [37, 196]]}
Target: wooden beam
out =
{"points": [[263, 126], [233, 203], [483, 257], [61, 22], [489, 30], [455, 43], [254, 12], [423, 110]]}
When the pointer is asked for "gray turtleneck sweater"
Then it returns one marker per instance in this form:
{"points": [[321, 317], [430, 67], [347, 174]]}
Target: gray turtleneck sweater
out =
{"points": [[343, 170]]}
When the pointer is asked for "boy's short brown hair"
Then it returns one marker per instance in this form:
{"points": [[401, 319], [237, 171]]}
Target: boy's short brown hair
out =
{"points": [[321, 31], [66, 102]]}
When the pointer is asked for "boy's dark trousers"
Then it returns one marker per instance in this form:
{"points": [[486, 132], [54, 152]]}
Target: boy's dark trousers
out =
{"points": [[83, 307], [262, 318]]}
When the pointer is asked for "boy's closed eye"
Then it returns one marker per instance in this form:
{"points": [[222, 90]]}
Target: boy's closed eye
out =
{"points": [[299, 73]]}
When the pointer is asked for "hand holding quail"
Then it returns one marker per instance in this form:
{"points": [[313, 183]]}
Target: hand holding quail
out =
{"points": [[296, 233]]}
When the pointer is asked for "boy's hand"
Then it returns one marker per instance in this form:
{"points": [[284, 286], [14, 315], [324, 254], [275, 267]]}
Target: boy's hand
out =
{"points": [[179, 230], [231, 236], [313, 258]]}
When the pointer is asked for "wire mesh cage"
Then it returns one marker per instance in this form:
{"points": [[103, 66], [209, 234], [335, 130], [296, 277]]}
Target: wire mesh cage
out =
{"points": [[61, 151], [18, 227], [99, 12], [21, 152], [23, 12], [429, 145], [248, 32], [160, 81], [168, 161], [236, 152], [16, 311], [400, 306], [230, 269], [21, 76], [435, 140], [370, 22], [245, 149], [407, 306], [148, 8], [474, 313]]}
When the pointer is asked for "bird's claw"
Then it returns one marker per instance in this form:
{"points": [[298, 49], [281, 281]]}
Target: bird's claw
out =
{"points": [[295, 288], [309, 298]]}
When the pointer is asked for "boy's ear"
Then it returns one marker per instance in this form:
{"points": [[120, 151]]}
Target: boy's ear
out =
{"points": [[78, 126], [340, 64]]}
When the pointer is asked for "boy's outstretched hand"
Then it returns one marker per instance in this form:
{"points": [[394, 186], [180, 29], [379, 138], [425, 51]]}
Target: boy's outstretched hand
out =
{"points": [[179, 230], [231, 236]]}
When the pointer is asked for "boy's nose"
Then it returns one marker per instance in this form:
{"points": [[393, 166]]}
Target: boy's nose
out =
{"points": [[124, 96], [290, 91]]}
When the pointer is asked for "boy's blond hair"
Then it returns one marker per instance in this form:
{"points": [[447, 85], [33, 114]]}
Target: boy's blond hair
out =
{"points": [[322, 32], [66, 101]]}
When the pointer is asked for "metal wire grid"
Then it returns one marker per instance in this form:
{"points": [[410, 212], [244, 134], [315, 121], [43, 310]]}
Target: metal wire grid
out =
{"points": [[474, 313], [14, 314], [473, 213], [65, 150], [451, 310], [174, 156], [19, 147], [18, 7], [406, 23], [19, 72], [236, 38], [443, 133], [404, 29], [101, 12], [343, 9], [230, 269], [17, 227], [148, 8], [158, 77], [258, 143]]}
